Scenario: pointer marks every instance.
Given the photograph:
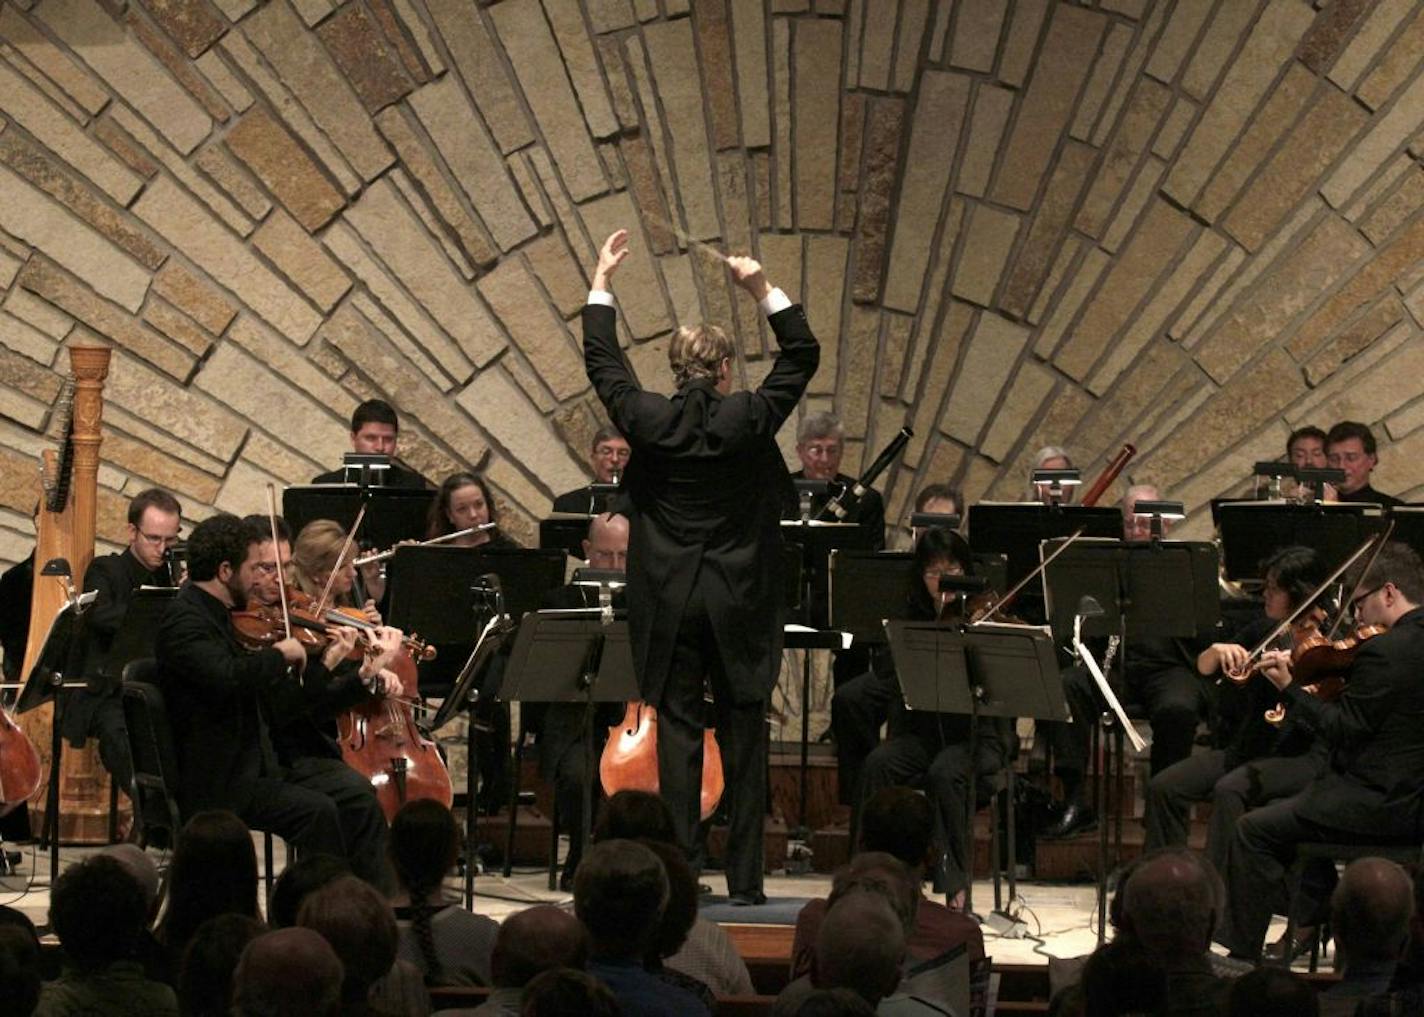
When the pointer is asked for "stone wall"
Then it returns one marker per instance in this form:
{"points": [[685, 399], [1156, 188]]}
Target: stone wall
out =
{"points": [[1190, 224]]}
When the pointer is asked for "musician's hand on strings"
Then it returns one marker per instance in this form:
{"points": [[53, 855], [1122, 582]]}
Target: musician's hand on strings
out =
{"points": [[292, 652], [747, 273], [1276, 665], [343, 641], [372, 614], [1228, 657], [610, 256], [385, 644], [387, 684]]}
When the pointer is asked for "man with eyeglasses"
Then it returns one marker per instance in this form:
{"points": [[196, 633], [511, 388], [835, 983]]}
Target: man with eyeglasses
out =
{"points": [[820, 444], [608, 458], [1350, 446], [1373, 791], [154, 521]]}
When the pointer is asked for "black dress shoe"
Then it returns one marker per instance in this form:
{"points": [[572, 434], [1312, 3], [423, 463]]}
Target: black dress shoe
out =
{"points": [[747, 899], [1076, 818]]}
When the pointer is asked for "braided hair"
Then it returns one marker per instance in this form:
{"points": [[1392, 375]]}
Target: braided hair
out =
{"points": [[424, 846]]}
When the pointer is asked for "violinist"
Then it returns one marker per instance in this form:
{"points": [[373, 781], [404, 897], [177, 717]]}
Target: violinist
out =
{"points": [[220, 694], [1373, 789], [923, 748], [305, 738], [154, 520], [375, 430], [607, 459], [1260, 763]]}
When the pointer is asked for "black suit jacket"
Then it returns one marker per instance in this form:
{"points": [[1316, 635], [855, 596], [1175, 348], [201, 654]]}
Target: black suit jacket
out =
{"points": [[214, 691], [582, 501], [704, 488], [115, 577], [1375, 733]]}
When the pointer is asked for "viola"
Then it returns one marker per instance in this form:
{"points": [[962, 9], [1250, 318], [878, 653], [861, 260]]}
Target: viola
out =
{"points": [[630, 758], [1320, 664]]}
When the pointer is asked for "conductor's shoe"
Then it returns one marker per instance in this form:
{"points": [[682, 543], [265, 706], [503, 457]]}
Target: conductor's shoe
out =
{"points": [[1076, 818], [750, 899]]}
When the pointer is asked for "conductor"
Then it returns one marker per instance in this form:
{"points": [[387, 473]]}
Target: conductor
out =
{"points": [[704, 490]]}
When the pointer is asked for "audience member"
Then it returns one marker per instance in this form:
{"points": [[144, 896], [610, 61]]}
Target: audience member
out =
{"points": [[620, 893], [1171, 904], [357, 921], [1369, 912], [834, 1003], [446, 943], [869, 870], [1123, 977], [205, 979], [157, 963], [214, 872], [708, 955], [897, 821], [530, 942], [99, 913], [562, 992], [297, 881], [19, 971], [678, 918], [288, 973], [861, 946], [1406, 989], [1272, 992]]}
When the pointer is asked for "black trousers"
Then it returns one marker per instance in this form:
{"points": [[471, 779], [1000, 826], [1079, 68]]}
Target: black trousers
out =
{"points": [[563, 762], [324, 806], [1262, 853], [858, 709], [1203, 776], [742, 738], [1174, 700], [89, 716]]}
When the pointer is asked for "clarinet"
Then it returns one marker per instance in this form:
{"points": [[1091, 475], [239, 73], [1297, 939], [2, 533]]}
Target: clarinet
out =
{"points": [[845, 499]]}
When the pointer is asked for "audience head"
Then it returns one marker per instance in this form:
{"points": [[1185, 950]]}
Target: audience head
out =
{"points": [[214, 872], [536, 940], [1172, 902], [897, 821], [357, 921], [635, 815], [424, 846], [297, 881], [205, 977], [1370, 911], [834, 1003], [883, 874], [1272, 992], [609, 454], [375, 428], [99, 913], [14, 917], [620, 893], [136, 861], [19, 971], [860, 946], [1123, 977], [288, 973], [820, 443], [680, 914], [563, 991]]}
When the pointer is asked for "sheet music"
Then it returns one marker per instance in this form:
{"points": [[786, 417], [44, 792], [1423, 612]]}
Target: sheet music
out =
{"points": [[1086, 656]]}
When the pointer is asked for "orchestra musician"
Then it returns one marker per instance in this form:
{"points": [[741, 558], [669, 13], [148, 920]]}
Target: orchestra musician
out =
{"points": [[1373, 789], [939, 500], [305, 738], [220, 695], [1305, 448], [464, 501], [154, 521], [317, 555], [704, 489], [820, 445], [1161, 675], [607, 459], [1260, 763], [375, 430], [1050, 457], [922, 747], [1350, 446]]}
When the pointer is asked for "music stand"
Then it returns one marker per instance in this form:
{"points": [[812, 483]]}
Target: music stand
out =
{"points": [[574, 656], [1015, 529], [136, 634], [61, 655], [565, 531], [988, 670], [393, 514], [1251, 531], [526, 576], [1140, 589], [1409, 526]]}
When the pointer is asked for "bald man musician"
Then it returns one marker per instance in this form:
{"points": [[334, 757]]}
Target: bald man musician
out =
{"points": [[704, 487]]}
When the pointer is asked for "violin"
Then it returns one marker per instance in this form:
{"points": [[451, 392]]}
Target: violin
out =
{"points": [[630, 758], [1319, 664]]}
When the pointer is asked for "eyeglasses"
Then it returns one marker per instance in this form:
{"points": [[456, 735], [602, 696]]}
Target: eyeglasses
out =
{"points": [[825, 449], [934, 575], [158, 539], [1357, 601], [267, 568]]}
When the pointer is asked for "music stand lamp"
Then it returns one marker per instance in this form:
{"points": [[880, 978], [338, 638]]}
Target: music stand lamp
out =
{"points": [[1056, 481]]}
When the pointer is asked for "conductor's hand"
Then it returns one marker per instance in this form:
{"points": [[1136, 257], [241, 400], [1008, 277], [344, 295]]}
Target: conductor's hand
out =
{"points": [[747, 273], [610, 256], [1276, 665], [292, 651]]}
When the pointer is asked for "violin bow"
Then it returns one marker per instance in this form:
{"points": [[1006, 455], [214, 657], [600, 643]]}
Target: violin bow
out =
{"points": [[998, 605], [336, 567], [1360, 580], [277, 551]]}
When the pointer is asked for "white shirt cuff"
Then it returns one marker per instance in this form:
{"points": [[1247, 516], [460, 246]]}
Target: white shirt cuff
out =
{"points": [[774, 301], [601, 297]]}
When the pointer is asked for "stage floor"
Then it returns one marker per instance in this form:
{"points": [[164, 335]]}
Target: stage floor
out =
{"points": [[1061, 918]]}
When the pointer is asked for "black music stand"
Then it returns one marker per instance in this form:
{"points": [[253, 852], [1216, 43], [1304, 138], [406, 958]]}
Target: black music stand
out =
{"points": [[1251, 531], [393, 514], [565, 531], [815, 541], [1409, 526], [987, 670], [1014, 529], [1139, 587], [135, 637], [580, 655], [59, 666], [435, 591]]}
